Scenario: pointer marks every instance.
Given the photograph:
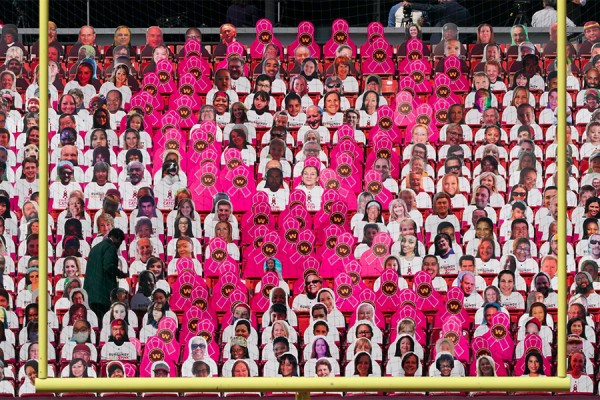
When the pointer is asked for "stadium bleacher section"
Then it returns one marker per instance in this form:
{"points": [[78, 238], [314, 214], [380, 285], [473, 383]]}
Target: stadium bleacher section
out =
{"points": [[309, 212]]}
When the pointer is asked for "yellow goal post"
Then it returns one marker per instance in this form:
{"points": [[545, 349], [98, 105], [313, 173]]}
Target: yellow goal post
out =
{"points": [[303, 386]]}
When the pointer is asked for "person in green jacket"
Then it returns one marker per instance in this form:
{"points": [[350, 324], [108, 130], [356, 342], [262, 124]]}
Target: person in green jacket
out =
{"points": [[102, 272]]}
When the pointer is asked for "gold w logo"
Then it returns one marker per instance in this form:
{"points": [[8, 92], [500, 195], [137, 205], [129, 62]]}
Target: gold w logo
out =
{"points": [[453, 306], [453, 74], [340, 37], [337, 219], [193, 324], [344, 290], [305, 40], [405, 108], [163, 76], [389, 288], [240, 181], [304, 248], [343, 170], [414, 55], [261, 220], [423, 120], [385, 123], [331, 241], [293, 236], [443, 91], [184, 112], [424, 290], [265, 37], [185, 290], [379, 55], [165, 336], [195, 71], [156, 355], [200, 303], [417, 76], [172, 145], [208, 179]]}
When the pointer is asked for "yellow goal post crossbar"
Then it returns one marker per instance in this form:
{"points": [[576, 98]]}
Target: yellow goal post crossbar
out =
{"points": [[303, 386]]}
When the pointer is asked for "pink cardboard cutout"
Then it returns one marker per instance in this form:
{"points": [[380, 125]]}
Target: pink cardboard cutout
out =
{"points": [[340, 34], [156, 350], [193, 48], [375, 31], [442, 83], [164, 71], [418, 74], [305, 37], [405, 112], [150, 85], [531, 343], [227, 292], [303, 249], [453, 308], [425, 117], [379, 59], [337, 216], [330, 181], [353, 269], [499, 338], [414, 51], [373, 259], [167, 327], [452, 68], [184, 106], [341, 253], [289, 231], [452, 330], [219, 260], [240, 188], [270, 248], [260, 213], [373, 185], [386, 124], [264, 37], [328, 237], [202, 138], [384, 148], [348, 172], [181, 297], [428, 299], [205, 187], [187, 83], [388, 295], [346, 300], [200, 71], [234, 49], [192, 318]]}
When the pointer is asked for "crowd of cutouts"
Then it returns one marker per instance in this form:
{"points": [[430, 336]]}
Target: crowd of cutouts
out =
{"points": [[339, 210]]}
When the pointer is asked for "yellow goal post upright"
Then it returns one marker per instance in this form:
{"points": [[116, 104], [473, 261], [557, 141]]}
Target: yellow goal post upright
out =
{"points": [[303, 386]]}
